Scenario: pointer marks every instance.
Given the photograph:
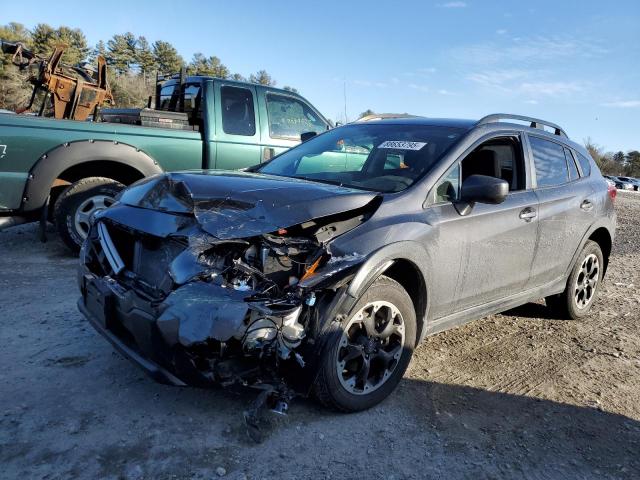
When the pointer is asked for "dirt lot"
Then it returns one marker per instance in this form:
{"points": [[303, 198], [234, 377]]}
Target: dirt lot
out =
{"points": [[517, 395]]}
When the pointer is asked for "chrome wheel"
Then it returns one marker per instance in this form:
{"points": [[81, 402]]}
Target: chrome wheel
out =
{"points": [[370, 347], [87, 209], [587, 281]]}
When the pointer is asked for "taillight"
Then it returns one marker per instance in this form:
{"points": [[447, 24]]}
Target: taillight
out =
{"points": [[612, 191]]}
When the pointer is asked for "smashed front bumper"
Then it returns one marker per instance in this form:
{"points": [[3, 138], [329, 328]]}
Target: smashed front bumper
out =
{"points": [[166, 309], [198, 335], [99, 305]]}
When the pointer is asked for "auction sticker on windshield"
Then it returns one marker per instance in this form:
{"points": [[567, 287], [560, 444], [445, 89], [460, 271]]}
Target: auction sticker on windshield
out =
{"points": [[402, 145]]}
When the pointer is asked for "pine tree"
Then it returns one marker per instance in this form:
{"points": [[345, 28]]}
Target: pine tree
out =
{"points": [[144, 57], [46, 38], [211, 66], [166, 57], [121, 54], [262, 77], [98, 50]]}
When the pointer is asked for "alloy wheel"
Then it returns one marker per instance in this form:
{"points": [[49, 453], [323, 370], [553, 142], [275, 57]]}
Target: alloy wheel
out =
{"points": [[587, 281], [370, 347]]}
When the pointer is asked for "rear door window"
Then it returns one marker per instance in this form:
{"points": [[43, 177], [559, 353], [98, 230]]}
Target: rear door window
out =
{"points": [[550, 162], [238, 114], [289, 117]]}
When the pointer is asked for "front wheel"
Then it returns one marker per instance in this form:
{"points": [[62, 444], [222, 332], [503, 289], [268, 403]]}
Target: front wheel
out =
{"points": [[582, 286], [364, 361], [78, 203]]}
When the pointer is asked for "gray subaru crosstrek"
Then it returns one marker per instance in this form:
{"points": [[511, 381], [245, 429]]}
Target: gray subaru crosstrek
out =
{"points": [[322, 269]]}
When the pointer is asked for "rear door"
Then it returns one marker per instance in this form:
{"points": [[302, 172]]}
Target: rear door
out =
{"points": [[283, 119], [236, 126], [566, 207]]}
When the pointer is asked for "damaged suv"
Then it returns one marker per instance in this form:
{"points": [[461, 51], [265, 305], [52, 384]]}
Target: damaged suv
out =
{"points": [[322, 269]]}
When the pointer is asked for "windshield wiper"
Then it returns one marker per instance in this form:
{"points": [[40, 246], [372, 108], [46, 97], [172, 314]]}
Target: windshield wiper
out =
{"points": [[338, 183], [322, 180]]}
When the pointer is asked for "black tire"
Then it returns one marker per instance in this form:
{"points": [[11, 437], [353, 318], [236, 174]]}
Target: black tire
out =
{"points": [[568, 303], [329, 389], [78, 195]]}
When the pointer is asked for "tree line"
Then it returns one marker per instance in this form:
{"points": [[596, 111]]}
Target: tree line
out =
{"points": [[133, 62], [615, 163]]}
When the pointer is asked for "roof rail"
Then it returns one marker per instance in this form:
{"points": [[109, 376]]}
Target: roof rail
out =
{"points": [[535, 122]]}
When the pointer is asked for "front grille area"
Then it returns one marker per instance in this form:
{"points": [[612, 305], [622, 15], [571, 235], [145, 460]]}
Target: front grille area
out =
{"points": [[146, 256]]}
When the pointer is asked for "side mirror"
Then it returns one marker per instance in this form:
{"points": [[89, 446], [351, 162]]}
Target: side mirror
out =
{"points": [[481, 189], [304, 136]]}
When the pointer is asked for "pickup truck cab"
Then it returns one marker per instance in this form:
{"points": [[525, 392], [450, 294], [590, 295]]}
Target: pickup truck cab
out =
{"points": [[64, 171]]}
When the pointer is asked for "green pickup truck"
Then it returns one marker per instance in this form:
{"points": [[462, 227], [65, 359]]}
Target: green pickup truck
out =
{"points": [[63, 170]]}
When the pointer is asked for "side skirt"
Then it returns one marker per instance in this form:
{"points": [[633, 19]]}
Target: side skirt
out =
{"points": [[497, 306]]}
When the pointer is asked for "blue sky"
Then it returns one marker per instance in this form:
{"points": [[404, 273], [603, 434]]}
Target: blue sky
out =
{"points": [[576, 63]]}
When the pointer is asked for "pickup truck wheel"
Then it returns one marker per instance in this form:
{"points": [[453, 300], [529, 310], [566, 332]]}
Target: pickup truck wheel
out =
{"points": [[365, 359], [75, 206], [582, 286]]}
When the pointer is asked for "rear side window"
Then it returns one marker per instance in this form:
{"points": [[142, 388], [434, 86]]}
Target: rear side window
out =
{"points": [[550, 162], [168, 98], [192, 100], [238, 114], [571, 164], [585, 165], [289, 117]]}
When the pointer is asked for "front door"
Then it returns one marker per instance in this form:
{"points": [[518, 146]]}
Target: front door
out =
{"points": [[488, 251], [283, 119]]}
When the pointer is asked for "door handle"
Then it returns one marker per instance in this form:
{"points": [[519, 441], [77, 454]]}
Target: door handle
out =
{"points": [[586, 206], [268, 153], [528, 214]]}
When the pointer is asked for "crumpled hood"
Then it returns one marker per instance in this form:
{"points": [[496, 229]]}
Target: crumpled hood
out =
{"points": [[231, 204]]}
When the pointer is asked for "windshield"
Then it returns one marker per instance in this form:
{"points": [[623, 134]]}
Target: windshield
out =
{"points": [[380, 157]]}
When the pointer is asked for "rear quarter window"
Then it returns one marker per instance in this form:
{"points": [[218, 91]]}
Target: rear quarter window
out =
{"points": [[585, 164], [573, 170]]}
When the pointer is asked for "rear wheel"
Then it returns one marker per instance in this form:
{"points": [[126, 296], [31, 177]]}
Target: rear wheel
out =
{"points": [[364, 362], [583, 284], [78, 203]]}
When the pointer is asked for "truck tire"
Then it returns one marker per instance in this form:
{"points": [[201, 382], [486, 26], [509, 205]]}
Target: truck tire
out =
{"points": [[74, 207], [365, 359]]}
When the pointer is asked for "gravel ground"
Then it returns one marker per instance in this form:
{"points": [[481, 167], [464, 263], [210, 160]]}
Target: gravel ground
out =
{"points": [[516, 395]]}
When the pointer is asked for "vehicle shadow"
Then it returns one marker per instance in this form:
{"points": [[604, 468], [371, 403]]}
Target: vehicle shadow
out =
{"points": [[456, 431], [533, 310]]}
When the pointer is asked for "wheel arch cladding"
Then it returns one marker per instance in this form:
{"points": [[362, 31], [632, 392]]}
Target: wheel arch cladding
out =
{"points": [[401, 261], [407, 274], [94, 158], [603, 238]]}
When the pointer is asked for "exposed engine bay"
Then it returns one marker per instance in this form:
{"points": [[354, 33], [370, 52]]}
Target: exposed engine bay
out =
{"points": [[206, 309]]}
